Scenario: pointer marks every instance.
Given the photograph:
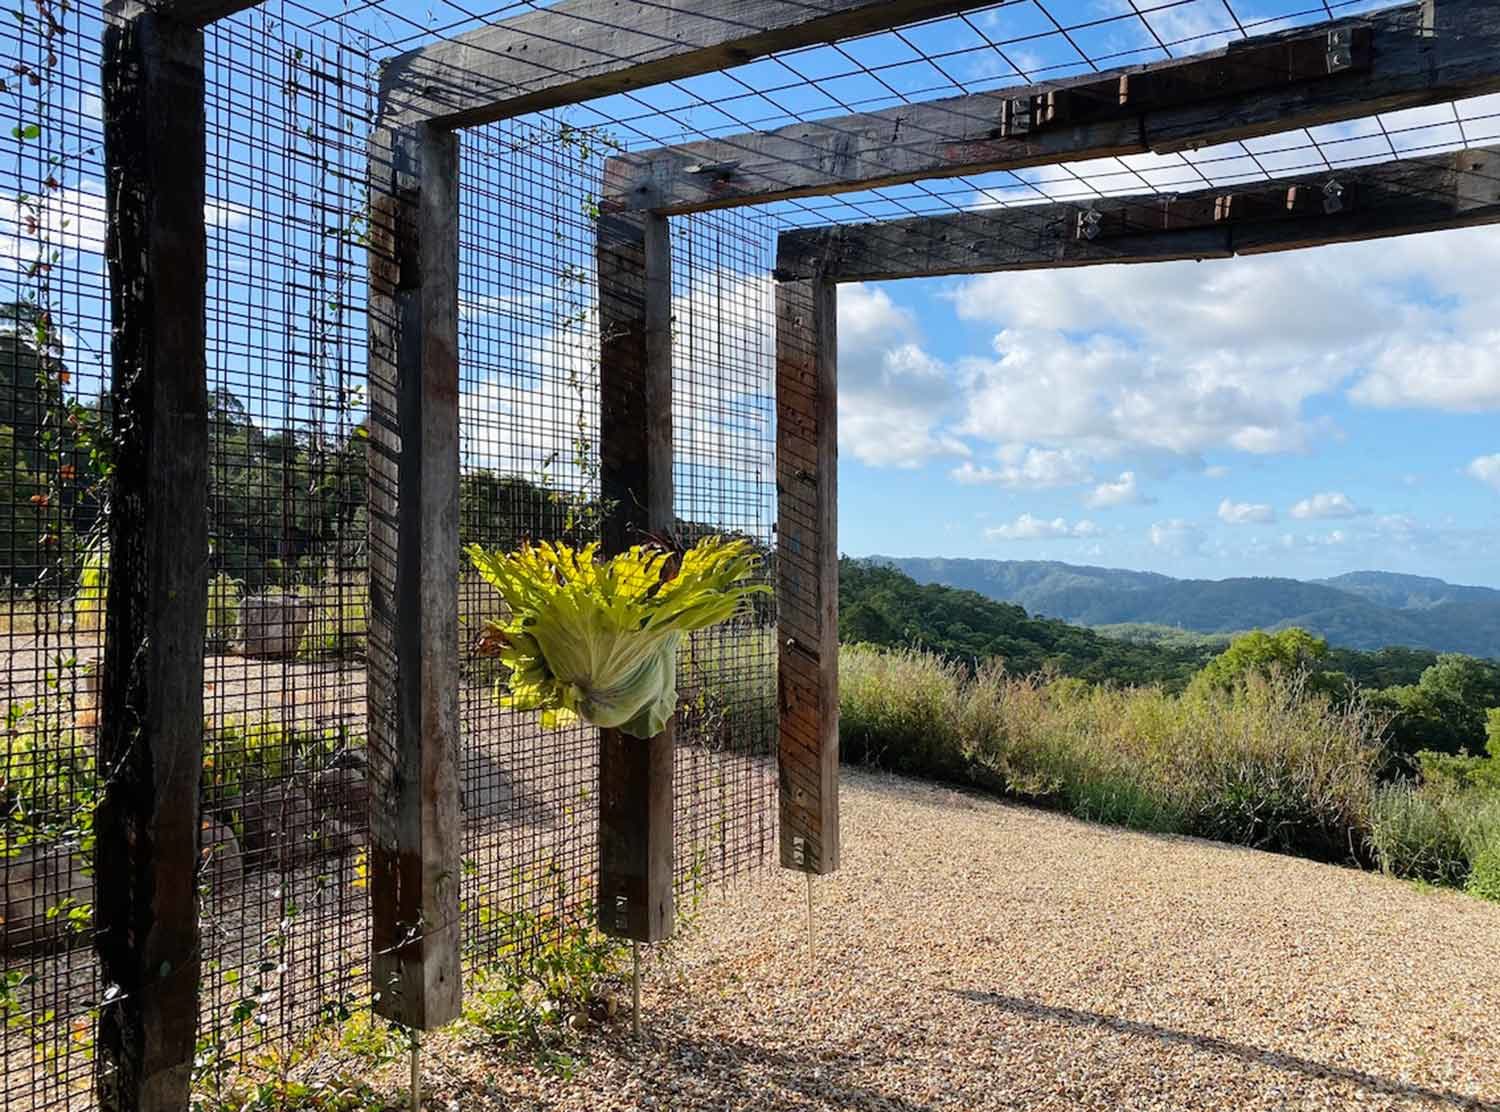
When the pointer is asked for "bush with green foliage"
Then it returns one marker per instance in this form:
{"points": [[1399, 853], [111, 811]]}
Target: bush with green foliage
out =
{"points": [[1269, 764], [1287, 652]]}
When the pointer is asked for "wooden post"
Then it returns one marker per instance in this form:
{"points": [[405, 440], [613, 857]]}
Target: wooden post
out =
{"points": [[151, 738], [807, 557], [635, 478], [416, 825]]}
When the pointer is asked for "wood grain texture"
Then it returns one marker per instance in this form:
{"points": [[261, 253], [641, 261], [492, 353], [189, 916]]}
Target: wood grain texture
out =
{"points": [[807, 571], [1384, 199], [416, 824], [635, 479], [1266, 84], [151, 732], [579, 49]]}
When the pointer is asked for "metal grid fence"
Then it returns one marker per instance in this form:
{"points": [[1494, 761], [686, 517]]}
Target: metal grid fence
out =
{"points": [[284, 902], [54, 344], [290, 105], [530, 418]]}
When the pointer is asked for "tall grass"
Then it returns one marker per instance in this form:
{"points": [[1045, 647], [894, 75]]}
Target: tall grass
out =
{"points": [[1272, 765], [1434, 833]]}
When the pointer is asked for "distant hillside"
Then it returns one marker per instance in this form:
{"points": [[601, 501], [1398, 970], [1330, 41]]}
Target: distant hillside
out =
{"points": [[882, 606], [1361, 610]]}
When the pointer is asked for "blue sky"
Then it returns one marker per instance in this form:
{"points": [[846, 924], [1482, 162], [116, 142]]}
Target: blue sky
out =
{"points": [[1299, 415], [1302, 414]]}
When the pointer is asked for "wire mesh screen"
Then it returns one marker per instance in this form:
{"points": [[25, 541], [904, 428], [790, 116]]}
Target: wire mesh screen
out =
{"points": [[529, 418], [285, 910], [530, 347], [723, 351], [54, 345]]}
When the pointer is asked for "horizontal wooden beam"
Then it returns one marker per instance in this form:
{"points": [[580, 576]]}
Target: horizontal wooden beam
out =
{"points": [[193, 13], [1369, 202], [1352, 68], [579, 49]]}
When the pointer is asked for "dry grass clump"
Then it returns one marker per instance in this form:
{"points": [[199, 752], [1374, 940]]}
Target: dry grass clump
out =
{"points": [[1270, 765]]}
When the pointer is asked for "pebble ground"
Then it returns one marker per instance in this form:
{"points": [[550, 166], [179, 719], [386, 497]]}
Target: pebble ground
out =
{"points": [[977, 955]]}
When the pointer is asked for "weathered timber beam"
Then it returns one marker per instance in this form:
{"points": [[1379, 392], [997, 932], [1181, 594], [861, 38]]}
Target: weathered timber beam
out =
{"points": [[204, 12], [1336, 71], [807, 569], [151, 729], [579, 49], [416, 825], [635, 481], [194, 13], [1368, 202]]}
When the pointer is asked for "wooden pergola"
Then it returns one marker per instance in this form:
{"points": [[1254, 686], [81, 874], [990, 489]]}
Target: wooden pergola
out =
{"points": [[1409, 56]]}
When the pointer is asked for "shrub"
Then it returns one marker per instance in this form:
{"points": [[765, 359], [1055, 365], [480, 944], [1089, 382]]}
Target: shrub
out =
{"points": [[898, 710], [1484, 876], [1266, 764], [1415, 836], [223, 609]]}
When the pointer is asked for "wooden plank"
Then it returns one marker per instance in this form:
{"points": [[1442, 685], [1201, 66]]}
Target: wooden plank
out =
{"points": [[579, 49], [808, 572], [416, 825], [1256, 87], [201, 13], [151, 732], [1402, 197], [635, 479]]}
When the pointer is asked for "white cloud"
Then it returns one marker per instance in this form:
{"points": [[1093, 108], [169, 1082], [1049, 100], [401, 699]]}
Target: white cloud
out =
{"points": [[73, 218], [1245, 513], [1124, 491], [1328, 504], [1030, 528], [1176, 536], [1025, 468], [1184, 358], [1486, 469], [892, 394], [1460, 374]]}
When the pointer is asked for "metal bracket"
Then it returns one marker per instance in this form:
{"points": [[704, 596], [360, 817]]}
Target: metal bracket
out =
{"points": [[1015, 117], [1340, 49]]}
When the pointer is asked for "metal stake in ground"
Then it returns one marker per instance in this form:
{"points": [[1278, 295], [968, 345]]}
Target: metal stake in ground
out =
{"points": [[416, 1071], [810, 932], [635, 990]]}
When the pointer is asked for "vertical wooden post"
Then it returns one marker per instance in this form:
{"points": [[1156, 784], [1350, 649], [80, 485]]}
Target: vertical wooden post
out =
{"points": [[635, 478], [416, 825], [151, 737], [807, 558]]}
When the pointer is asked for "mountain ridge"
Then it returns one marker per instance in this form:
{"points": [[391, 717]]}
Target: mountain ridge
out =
{"points": [[1364, 610]]}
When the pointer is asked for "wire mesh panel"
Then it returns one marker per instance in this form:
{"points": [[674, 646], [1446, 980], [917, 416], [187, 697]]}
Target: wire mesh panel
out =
{"points": [[724, 482], [54, 350], [529, 425], [530, 344], [285, 911]]}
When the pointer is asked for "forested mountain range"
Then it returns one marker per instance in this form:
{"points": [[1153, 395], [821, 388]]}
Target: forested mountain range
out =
{"points": [[1361, 610]]}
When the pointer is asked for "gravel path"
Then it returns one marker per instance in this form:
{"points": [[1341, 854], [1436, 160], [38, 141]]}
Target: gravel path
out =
{"points": [[975, 955]]}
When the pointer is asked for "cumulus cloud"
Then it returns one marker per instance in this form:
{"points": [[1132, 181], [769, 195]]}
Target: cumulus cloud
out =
{"points": [[72, 219], [1124, 491], [1245, 513], [1175, 536], [1030, 528], [1026, 468], [892, 394], [1183, 358], [1486, 469], [1328, 504]]}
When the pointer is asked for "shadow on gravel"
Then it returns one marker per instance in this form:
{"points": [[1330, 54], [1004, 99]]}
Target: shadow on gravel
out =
{"points": [[1211, 1044], [818, 1079]]}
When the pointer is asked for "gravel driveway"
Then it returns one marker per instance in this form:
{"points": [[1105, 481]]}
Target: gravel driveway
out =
{"points": [[976, 955]]}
